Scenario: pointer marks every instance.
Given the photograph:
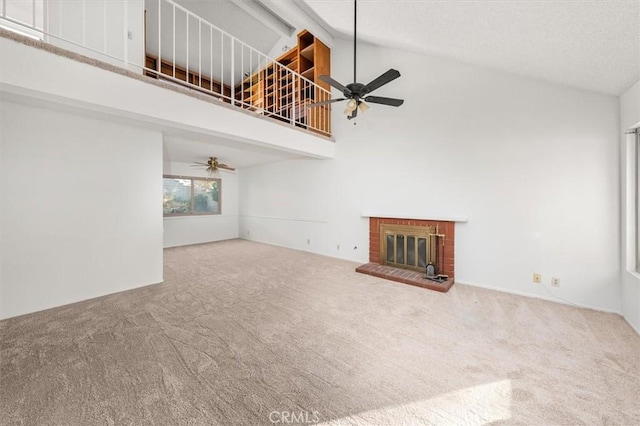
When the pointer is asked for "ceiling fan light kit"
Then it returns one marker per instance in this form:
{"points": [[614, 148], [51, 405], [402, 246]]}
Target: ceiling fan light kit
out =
{"points": [[357, 93], [213, 166]]}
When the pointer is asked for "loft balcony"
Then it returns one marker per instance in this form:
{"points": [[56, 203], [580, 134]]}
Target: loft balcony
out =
{"points": [[164, 42]]}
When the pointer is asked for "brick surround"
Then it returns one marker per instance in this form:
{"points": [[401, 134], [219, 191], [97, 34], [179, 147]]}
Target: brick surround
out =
{"points": [[445, 227]]}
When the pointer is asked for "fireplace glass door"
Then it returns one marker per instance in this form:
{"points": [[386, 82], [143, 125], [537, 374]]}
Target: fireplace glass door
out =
{"points": [[407, 246]]}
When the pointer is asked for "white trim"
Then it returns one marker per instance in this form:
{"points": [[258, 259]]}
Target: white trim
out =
{"points": [[633, 327], [290, 219], [630, 207], [415, 217], [187, 216], [535, 296], [635, 177], [32, 33]]}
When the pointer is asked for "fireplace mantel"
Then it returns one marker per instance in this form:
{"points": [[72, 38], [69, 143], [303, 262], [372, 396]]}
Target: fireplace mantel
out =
{"points": [[414, 217]]}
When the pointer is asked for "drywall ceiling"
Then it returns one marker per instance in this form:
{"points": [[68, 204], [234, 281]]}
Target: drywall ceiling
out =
{"points": [[593, 45], [190, 148]]}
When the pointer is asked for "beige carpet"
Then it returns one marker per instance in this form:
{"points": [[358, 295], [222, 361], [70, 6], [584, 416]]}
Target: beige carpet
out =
{"points": [[246, 333]]}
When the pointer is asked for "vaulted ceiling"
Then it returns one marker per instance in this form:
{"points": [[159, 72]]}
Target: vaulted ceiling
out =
{"points": [[589, 44]]}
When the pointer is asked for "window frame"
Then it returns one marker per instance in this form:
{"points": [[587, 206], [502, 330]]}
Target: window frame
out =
{"points": [[192, 212]]}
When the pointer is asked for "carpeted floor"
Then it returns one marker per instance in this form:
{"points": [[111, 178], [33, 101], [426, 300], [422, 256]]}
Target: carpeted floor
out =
{"points": [[246, 333]]}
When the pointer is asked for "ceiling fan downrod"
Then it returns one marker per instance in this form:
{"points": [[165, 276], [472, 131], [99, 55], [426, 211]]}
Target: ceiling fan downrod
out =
{"points": [[357, 93], [355, 29]]}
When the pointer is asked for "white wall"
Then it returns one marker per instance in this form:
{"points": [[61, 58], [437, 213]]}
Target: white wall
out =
{"points": [[81, 212], [630, 117], [530, 164], [185, 230]]}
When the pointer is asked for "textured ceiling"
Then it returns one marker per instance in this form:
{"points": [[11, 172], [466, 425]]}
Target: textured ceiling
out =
{"points": [[593, 45]]}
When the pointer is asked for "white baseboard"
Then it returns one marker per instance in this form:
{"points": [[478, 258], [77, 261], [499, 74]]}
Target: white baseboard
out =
{"points": [[632, 326], [518, 293], [536, 296], [304, 250]]}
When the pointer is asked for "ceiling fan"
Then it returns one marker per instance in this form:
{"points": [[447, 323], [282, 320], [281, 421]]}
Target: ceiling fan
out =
{"points": [[357, 93], [212, 165]]}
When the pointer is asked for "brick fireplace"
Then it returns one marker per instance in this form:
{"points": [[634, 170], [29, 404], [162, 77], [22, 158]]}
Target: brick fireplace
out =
{"points": [[400, 250]]}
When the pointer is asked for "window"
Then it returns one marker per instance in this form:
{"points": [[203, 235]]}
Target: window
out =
{"points": [[190, 196]]}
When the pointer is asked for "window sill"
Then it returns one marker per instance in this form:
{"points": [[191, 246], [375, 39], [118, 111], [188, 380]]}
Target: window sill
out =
{"points": [[196, 216]]}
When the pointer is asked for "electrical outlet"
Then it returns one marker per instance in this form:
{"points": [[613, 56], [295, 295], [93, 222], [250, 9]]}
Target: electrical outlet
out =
{"points": [[338, 247], [555, 282], [537, 278], [308, 241]]}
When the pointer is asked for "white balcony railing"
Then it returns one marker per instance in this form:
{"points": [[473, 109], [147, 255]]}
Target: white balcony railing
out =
{"points": [[164, 40]]}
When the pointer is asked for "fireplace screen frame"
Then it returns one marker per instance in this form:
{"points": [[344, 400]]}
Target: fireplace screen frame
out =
{"points": [[428, 233]]}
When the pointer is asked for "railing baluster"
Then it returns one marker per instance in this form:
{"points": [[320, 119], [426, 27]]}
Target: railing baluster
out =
{"points": [[200, 53], [222, 63], [211, 56], [261, 88], [45, 20], [173, 53], [104, 26], [233, 62], [84, 22], [293, 98], [186, 77], [159, 63], [125, 34]]}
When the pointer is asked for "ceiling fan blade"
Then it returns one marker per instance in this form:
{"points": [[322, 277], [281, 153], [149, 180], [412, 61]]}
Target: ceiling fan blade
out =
{"points": [[384, 101], [197, 163], [224, 166], [330, 101], [385, 78], [335, 84]]}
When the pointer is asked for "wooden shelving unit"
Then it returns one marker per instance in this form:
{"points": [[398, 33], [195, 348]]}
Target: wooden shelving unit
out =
{"points": [[273, 91], [270, 88], [286, 84], [315, 60]]}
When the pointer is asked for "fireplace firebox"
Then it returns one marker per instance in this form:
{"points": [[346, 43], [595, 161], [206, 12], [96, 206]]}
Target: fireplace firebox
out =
{"points": [[410, 247]]}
